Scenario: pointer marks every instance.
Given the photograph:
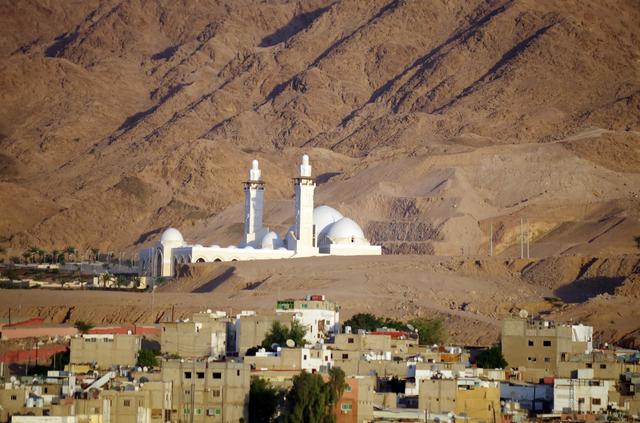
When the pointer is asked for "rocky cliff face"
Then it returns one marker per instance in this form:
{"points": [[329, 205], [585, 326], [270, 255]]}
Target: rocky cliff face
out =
{"points": [[437, 125]]}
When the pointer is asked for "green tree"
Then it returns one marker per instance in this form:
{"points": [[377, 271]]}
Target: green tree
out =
{"points": [[83, 326], [365, 321], [491, 358], [279, 333], [105, 278], [147, 358], [263, 401], [313, 400], [121, 281], [430, 331], [136, 281]]}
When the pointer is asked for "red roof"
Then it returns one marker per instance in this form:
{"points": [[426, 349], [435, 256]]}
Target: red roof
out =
{"points": [[30, 322], [392, 334]]}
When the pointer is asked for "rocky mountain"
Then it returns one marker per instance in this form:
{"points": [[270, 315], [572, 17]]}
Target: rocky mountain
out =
{"points": [[438, 125]]}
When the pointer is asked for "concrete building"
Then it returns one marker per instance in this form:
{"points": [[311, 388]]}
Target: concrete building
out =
{"points": [[472, 398], [208, 391], [320, 317], [543, 344], [581, 395], [537, 398], [309, 359], [356, 403], [105, 351], [316, 232], [250, 329], [203, 336]]}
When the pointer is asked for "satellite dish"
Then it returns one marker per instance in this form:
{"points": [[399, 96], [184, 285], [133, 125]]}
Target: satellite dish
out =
{"points": [[274, 346], [410, 326], [523, 313], [290, 343]]}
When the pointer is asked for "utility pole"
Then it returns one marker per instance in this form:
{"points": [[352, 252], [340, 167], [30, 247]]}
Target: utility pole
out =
{"points": [[521, 238], [491, 240], [528, 239]]}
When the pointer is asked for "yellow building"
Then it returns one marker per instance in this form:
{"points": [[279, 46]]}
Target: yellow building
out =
{"points": [[105, 351], [473, 398], [203, 336]]}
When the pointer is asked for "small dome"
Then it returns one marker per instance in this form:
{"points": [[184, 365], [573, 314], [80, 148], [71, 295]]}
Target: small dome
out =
{"points": [[249, 247], [271, 241], [323, 217], [171, 235], [344, 230]]}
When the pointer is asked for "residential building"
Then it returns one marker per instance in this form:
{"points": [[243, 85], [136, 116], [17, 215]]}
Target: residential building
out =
{"points": [[251, 329], [203, 336], [541, 344], [581, 395], [105, 351], [320, 317], [472, 398], [356, 403], [208, 391]]}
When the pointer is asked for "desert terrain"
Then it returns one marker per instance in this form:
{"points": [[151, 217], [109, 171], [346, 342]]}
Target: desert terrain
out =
{"points": [[471, 296], [438, 126]]}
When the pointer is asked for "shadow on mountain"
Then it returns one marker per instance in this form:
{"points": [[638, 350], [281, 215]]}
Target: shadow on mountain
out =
{"points": [[324, 178], [582, 290], [165, 54], [295, 25], [60, 43], [216, 282]]}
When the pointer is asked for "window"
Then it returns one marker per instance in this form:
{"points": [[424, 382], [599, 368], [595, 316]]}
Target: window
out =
{"points": [[546, 343], [14, 397], [345, 356], [347, 388], [217, 375], [200, 375], [186, 411], [547, 360], [215, 393], [580, 400], [126, 403], [304, 357], [595, 401], [350, 340], [530, 343], [603, 366], [46, 390], [199, 411], [238, 372], [589, 365], [187, 392], [346, 407], [187, 375]]}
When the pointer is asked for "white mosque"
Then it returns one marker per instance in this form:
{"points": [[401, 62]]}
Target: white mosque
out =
{"points": [[322, 231]]}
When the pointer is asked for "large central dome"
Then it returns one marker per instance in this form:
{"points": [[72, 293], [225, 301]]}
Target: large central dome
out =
{"points": [[323, 217]]}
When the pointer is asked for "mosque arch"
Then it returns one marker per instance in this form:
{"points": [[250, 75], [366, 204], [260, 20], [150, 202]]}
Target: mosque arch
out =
{"points": [[158, 263], [218, 259], [200, 260], [234, 259]]}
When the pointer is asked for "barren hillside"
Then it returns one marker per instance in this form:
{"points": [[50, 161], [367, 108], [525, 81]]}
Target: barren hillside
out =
{"points": [[429, 122], [472, 296]]}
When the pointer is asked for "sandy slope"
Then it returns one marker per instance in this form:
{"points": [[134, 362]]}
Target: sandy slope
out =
{"points": [[472, 296]]}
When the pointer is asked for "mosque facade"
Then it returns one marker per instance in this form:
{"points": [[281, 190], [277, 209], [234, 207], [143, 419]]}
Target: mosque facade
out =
{"points": [[319, 231]]}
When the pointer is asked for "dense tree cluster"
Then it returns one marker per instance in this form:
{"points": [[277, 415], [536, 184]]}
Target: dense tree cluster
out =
{"points": [[430, 331]]}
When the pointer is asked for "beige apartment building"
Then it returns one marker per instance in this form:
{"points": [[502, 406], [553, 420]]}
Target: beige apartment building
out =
{"points": [[194, 339], [105, 351], [543, 344], [251, 329], [208, 391], [476, 399]]}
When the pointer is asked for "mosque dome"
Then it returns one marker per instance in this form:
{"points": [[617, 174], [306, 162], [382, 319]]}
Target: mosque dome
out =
{"points": [[344, 231], [271, 241], [171, 235], [323, 217]]}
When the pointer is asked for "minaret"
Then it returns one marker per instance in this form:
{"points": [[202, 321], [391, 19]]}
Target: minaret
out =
{"points": [[305, 236], [253, 205]]}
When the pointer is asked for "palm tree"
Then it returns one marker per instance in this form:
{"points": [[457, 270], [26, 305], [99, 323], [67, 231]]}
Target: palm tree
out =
{"points": [[121, 281], [106, 278], [71, 250], [27, 256], [34, 251], [136, 281]]}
